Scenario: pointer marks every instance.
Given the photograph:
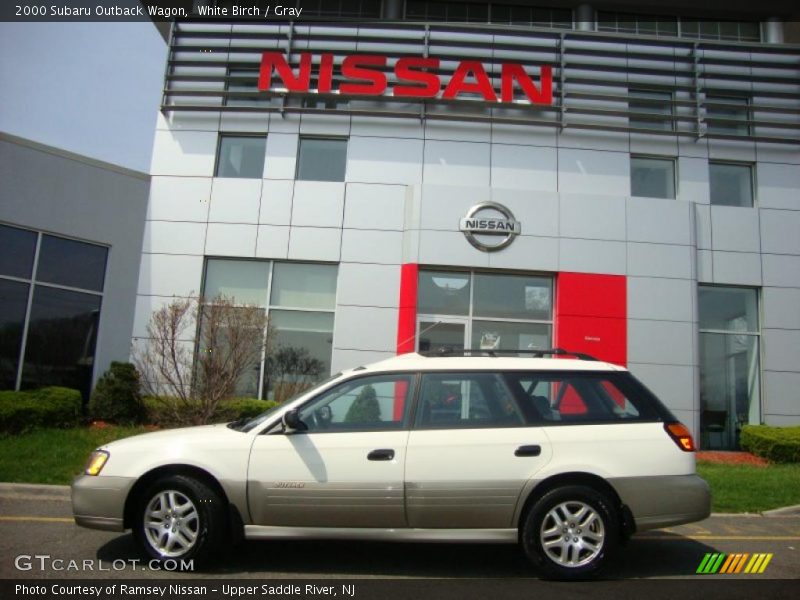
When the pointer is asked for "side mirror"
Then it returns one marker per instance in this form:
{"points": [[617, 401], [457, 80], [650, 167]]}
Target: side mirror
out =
{"points": [[292, 422]]}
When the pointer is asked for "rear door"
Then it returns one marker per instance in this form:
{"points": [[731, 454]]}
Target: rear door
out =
{"points": [[470, 452]]}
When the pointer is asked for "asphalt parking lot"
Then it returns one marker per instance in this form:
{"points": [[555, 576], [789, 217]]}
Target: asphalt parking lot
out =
{"points": [[36, 522]]}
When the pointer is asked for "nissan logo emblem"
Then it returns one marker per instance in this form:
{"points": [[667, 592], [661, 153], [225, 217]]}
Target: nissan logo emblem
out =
{"points": [[489, 220]]}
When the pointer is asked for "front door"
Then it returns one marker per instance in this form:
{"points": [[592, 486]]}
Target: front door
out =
{"points": [[346, 469]]}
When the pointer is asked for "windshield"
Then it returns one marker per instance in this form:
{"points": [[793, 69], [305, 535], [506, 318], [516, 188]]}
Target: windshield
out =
{"points": [[250, 424]]}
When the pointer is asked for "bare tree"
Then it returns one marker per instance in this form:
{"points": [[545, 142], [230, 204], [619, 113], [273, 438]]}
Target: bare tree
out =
{"points": [[191, 379]]}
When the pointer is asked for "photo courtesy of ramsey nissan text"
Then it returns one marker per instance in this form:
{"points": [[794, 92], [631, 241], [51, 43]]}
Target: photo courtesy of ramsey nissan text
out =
{"points": [[393, 298]]}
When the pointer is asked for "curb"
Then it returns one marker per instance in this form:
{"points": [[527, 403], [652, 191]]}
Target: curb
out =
{"points": [[31, 491], [786, 511]]}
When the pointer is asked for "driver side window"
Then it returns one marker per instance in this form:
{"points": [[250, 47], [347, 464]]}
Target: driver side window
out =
{"points": [[375, 403]]}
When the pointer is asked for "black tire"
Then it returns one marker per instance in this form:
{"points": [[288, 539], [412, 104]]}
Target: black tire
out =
{"points": [[568, 549], [196, 523]]}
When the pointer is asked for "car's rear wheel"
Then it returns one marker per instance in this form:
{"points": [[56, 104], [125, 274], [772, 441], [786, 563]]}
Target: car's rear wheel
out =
{"points": [[182, 519], [571, 532]]}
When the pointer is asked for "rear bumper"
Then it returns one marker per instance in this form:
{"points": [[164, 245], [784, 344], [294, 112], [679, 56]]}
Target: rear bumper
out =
{"points": [[665, 500], [99, 502]]}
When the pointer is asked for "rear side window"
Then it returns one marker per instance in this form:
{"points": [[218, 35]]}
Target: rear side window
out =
{"points": [[466, 400], [583, 397]]}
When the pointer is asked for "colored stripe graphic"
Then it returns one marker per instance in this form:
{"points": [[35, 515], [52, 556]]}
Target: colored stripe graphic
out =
{"points": [[758, 563], [729, 564], [710, 563]]}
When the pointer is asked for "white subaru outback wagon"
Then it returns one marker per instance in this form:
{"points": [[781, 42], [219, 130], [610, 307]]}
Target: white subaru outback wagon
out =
{"points": [[567, 457]]}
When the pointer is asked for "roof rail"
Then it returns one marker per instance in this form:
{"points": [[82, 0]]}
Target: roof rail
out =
{"points": [[534, 353]]}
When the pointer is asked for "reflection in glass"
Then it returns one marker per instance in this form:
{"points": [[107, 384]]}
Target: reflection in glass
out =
{"points": [[61, 340], [512, 297], [241, 156], [730, 184], [729, 363], [71, 263], [299, 353], [435, 337], [321, 159], [13, 302], [499, 335], [378, 402], [729, 387], [728, 309], [243, 280], [17, 249], [442, 292], [304, 286], [652, 177]]}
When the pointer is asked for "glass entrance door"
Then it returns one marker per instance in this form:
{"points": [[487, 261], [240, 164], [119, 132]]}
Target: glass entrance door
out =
{"points": [[441, 335]]}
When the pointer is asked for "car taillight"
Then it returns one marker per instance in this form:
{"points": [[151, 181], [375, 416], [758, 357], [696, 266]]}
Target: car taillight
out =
{"points": [[681, 436]]}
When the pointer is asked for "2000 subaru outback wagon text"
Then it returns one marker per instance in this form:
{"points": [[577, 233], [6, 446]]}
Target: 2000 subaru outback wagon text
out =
{"points": [[567, 457]]}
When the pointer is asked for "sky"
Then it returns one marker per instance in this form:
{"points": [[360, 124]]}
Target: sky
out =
{"points": [[90, 88]]}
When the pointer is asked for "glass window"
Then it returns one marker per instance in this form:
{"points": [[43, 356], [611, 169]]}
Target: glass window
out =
{"points": [[299, 342], [466, 400], [241, 156], [641, 24], [650, 102], [438, 336], [652, 177], [728, 309], [442, 292], [71, 263], [17, 250], [13, 304], [502, 335], [730, 108], [304, 286], [245, 281], [512, 296], [322, 159], [217, 339], [61, 339], [729, 364], [566, 398], [300, 350], [487, 311], [749, 31], [379, 402], [731, 184]]}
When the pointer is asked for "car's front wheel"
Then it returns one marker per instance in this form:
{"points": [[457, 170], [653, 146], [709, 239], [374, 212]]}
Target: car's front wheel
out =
{"points": [[180, 518], [571, 532]]}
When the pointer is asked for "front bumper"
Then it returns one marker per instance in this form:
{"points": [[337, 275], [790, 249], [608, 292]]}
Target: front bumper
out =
{"points": [[98, 502], [665, 500]]}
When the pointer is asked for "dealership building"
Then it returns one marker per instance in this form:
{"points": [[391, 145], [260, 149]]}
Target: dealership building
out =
{"points": [[496, 176]]}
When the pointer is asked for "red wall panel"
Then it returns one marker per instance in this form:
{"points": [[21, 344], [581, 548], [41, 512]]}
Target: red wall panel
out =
{"points": [[591, 315], [407, 315]]}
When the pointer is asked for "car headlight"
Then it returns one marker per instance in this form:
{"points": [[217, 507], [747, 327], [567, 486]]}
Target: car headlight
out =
{"points": [[96, 462]]}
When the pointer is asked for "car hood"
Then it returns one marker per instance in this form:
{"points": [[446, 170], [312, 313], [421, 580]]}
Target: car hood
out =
{"points": [[172, 436]]}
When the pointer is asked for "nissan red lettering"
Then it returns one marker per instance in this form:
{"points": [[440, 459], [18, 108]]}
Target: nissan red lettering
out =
{"points": [[417, 77]]}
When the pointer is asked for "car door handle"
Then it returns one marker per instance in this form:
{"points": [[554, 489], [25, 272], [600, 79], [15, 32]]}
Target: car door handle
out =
{"points": [[381, 454], [533, 450]]}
